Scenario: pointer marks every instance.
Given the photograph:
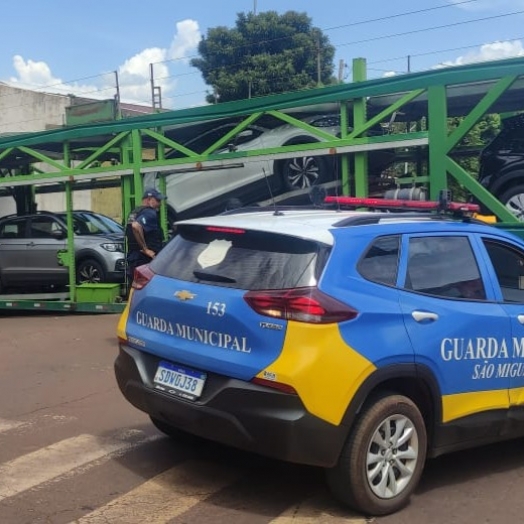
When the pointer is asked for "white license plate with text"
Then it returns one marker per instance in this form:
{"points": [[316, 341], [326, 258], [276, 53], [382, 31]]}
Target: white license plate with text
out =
{"points": [[176, 380]]}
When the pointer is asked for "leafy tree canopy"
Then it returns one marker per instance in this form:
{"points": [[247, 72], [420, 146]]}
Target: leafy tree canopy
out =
{"points": [[264, 54]]}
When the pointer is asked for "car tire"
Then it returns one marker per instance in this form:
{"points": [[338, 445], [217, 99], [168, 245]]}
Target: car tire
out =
{"points": [[304, 172], [513, 199], [90, 271], [372, 454]]}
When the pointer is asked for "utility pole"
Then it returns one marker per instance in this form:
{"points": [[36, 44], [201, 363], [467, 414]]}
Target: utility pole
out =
{"points": [[254, 7], [117, 97], [341, 65], [156, 92], [319, 77]]}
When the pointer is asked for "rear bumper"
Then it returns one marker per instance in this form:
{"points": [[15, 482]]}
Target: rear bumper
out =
{"points": [[236, 413]]}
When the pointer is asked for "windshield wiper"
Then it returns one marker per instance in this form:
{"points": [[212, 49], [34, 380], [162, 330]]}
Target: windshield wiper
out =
{"points": [[213, 277]]}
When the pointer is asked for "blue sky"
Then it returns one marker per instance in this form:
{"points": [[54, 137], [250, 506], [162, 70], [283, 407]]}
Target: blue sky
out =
{"points": [[76, 47]]}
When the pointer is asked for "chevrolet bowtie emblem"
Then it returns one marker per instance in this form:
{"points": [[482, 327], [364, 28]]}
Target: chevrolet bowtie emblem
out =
{"points": [[185, 295]]}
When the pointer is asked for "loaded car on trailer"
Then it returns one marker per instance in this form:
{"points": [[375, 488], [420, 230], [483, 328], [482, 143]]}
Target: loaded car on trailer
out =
{"points": [[197, 193], [502, 165], [361, 342], [30, 245]]}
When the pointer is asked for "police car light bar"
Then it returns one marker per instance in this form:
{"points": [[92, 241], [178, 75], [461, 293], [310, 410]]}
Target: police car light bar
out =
{"points": [[390, 203]]}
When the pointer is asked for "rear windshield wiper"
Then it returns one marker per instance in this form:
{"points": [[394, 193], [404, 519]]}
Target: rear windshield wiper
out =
{"points": [[213, 277]]}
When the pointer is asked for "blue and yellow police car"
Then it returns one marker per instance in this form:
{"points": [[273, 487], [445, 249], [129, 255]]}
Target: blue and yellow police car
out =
{"points": [[362, 342]]}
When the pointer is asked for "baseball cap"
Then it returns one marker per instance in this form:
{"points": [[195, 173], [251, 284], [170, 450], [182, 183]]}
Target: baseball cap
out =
{"points": [[152, 192]]}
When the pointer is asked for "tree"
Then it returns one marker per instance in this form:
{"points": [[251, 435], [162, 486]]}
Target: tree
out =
{"points": [[466, 153], [264, 54], [478, 137]]}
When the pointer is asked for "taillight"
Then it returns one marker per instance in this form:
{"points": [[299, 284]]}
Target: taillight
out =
{"points": [[231, 230], [285, 388], [306, 304], [142, 276]]}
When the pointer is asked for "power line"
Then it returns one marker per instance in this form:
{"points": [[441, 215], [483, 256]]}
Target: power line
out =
{"points": [[399, 15], [361, 22], [389, 17], [434, 52], [433, 28]]}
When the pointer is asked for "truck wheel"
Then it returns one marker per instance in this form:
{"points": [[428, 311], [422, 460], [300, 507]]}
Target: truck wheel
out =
{"points": [[513, 199], [89, 271], [382, 460]]}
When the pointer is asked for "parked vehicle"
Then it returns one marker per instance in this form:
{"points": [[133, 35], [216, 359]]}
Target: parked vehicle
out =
{"points": [[30, 244], [199, 193], [361, 342], [502, 165]]}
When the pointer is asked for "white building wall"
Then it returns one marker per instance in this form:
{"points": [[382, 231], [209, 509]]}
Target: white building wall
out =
{"points": [[7, 206], [26, 111], [57, 201]]}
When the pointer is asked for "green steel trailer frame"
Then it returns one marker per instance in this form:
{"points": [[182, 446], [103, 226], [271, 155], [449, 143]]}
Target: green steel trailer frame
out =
{"points": [[81, 156]]}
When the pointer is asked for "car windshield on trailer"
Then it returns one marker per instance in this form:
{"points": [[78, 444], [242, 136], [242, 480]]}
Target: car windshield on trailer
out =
{"points": [[241, 259], [88, 223]]}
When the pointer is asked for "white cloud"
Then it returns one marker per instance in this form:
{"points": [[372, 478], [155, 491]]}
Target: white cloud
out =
{"points": [[38, 76], [134, 75], [186, 39], [486, 52]]}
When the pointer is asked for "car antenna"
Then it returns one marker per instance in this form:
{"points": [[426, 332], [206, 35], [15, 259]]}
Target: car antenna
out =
{"points": [[277, 212], [337, 195]]}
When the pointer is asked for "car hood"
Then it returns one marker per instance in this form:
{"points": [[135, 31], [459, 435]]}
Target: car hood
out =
{"points": [[111, 237]]}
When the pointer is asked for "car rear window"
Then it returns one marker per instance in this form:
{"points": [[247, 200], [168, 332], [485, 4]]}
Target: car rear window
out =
{"points": [[241, 259]]}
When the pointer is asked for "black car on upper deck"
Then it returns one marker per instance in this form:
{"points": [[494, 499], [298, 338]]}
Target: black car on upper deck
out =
{"points": [[502, 165]]}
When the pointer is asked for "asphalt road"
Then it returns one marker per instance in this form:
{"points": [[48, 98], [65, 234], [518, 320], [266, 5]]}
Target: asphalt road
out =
{"points": [[73, 450]]}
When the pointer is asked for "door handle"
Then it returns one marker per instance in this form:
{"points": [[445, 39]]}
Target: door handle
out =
{"points": [[424, 316], [520, 318]]}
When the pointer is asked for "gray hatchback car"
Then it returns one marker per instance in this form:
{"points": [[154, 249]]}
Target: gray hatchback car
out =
{"points": [[30, 247]]}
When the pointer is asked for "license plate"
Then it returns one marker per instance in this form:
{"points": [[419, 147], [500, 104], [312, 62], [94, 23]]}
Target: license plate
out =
{"points": [[179, 381]]}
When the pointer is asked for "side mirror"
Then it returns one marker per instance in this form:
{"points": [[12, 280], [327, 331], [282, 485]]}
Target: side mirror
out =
{"points": [[58, 234]]}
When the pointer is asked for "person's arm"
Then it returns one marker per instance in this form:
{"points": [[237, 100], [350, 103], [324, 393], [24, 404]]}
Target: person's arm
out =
{"points": [[138, 232]]}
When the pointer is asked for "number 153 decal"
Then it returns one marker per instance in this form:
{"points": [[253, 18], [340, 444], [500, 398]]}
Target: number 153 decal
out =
{"points": [[216, 309]]}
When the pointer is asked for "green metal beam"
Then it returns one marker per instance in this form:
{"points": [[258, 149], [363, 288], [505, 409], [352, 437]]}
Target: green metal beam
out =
{"points": [[41, 157], [464, 178], [359, 122], [315, 131], [163, 140], [228, 136], [6, 152], [344, 162], [329, 94], [101, 150], [438, 121], [479, 111], [60, 305], [380, 117]]}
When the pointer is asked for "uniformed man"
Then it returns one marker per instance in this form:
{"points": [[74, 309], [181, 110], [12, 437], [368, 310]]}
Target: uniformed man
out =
{"points": [[144, 235]]}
